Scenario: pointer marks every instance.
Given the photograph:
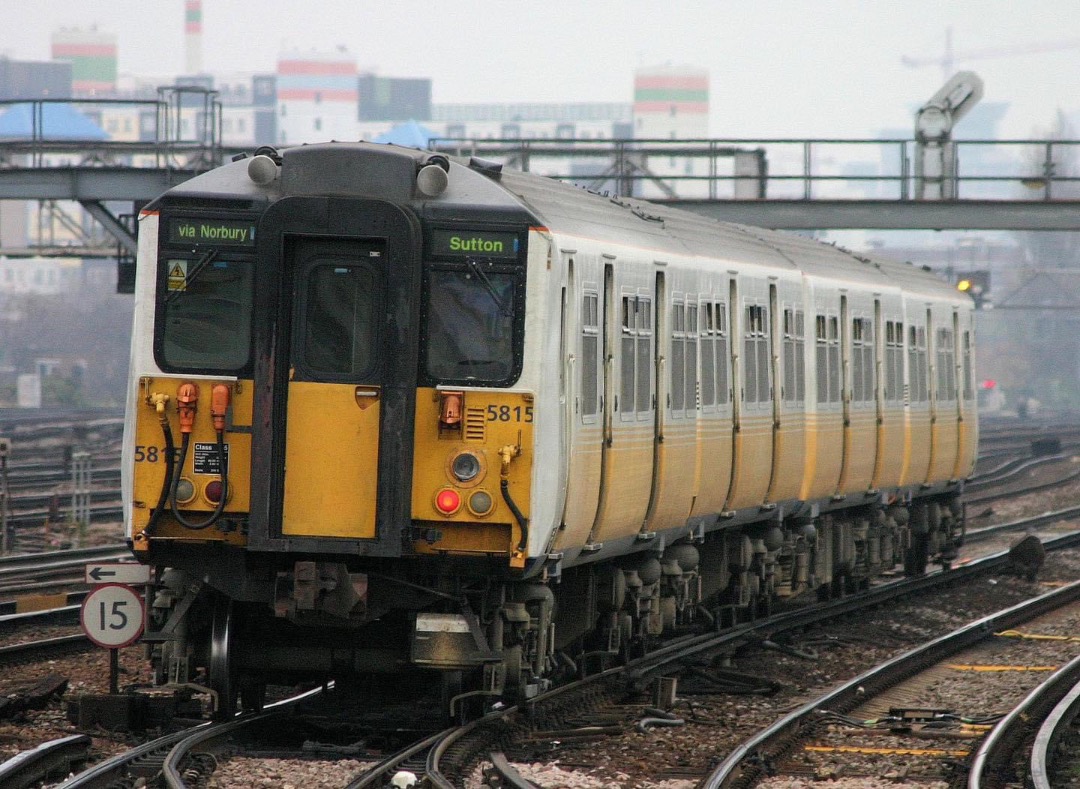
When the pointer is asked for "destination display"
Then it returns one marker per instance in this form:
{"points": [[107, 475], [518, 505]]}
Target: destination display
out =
{"points": [[239, 233], [478, 243]]}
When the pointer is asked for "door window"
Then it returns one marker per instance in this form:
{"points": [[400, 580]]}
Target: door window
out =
{"points": [[338, 330]]}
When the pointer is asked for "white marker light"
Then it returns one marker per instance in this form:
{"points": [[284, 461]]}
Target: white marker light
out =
{"points": [[263, 170], [432, 180]]}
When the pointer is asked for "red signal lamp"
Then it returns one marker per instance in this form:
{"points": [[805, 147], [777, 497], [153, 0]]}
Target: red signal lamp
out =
{"points": [[213, 491], [447, 501]]}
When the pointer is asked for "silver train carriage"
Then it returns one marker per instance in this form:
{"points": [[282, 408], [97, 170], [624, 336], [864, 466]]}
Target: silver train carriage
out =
{"points": [[393, 412]]}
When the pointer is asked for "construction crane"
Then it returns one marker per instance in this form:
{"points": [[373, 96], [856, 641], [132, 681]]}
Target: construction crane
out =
{"points": [[948, 60]]}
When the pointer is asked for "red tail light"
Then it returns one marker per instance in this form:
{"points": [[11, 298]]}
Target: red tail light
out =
{"points": [[447, 501]]}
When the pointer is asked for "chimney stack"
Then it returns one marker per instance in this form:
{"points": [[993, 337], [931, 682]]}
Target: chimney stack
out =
{"points": [[193, 36]]}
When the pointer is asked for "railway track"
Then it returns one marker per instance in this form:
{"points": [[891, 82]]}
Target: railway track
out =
{"points": [[425, 756], [773, 750]]}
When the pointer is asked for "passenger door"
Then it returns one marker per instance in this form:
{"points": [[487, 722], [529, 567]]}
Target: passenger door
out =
{"points": [[334, 389]]}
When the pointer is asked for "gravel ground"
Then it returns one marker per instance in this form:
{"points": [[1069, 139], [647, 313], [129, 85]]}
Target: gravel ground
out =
{"points": [[635, 760], [668, 758], [284, 773]]}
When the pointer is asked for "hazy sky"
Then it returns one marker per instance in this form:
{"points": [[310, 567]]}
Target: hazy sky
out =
{"points": [[777, 67]]}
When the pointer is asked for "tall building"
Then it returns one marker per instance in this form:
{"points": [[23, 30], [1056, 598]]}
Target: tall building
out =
{"points": [[193, 36], [317, 97], [92, 55], [393, 98], [672, 103], [29, 80]]}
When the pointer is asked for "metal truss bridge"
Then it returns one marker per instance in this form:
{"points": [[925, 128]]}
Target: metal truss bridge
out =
{"points": [[781, 183]]}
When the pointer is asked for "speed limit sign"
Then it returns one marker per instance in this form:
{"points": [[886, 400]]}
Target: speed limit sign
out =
{"points": [[112, 616]]}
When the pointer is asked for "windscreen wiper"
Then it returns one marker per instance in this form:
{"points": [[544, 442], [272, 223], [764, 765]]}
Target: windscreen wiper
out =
{"points": [[474, 265]]}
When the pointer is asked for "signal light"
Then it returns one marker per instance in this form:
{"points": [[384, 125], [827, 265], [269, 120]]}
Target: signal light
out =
{"points": [[447, 501], [212, 491], [480, 503], [977, 285], [185, 490]]}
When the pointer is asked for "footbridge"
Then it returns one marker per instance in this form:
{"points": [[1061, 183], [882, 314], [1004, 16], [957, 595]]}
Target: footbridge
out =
{"points": [[796, 184]]}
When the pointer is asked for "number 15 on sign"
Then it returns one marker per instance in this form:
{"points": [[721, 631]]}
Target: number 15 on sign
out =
{"points": [[112, 616]]}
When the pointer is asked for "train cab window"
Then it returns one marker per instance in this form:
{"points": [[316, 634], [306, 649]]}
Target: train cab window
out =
{"points": [[338, 331], [205, 314], [470, 324]]}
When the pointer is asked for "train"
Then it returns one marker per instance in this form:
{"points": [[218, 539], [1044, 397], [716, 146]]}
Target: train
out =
{"points": [[398, 412]]}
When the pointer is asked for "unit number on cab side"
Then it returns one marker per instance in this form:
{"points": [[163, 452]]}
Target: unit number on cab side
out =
{"points": [[149, 454], [507, 413]]}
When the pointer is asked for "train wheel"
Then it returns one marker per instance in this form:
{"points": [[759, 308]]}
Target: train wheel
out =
{"points": [[222, 674]]}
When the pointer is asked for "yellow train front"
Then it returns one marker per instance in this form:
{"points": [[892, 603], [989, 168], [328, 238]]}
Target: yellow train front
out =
{"points": [[390, 412]]}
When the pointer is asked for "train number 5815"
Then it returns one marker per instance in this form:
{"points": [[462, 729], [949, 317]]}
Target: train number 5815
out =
{"points": [[506, 413]]}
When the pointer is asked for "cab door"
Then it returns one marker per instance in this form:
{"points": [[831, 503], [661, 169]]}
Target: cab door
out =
{"points": [[335, 383]]}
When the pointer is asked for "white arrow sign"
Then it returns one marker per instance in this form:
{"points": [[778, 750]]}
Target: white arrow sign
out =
{"points": [[118, 573], [112, 616]]}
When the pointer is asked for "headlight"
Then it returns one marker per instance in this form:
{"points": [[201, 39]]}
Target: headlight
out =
{"points": [[465, 467]]}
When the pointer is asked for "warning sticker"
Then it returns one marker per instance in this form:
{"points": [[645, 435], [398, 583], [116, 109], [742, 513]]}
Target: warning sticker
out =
{"points": [[206, 459], [178, 275]]}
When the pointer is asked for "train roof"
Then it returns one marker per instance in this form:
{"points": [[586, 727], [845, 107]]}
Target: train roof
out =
{"points": [[478, 189], [578, 212]]}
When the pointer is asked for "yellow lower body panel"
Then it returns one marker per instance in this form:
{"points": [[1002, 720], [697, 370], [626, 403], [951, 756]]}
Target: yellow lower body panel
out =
{"points": [[331, 462]]}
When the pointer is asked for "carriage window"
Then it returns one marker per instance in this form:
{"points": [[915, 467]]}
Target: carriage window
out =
{"points": [[470, 325], [691, 372], [205, 317], [917, 364], [969, 383], [644, 357], [827, 358], [756, 356], [862, 360], [946, 365], [590, 338], [723, 385], [635, 394], [678, 359], [894, 361], [794, 357]]}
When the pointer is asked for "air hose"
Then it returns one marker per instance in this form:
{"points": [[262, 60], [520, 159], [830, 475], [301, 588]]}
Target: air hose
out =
{"points": [[508, 453], [159, 401]]}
